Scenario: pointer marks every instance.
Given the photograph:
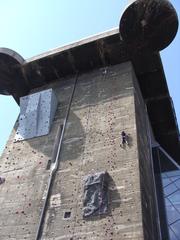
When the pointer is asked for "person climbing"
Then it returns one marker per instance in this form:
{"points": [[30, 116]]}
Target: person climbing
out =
{"points": [[124, 138]]}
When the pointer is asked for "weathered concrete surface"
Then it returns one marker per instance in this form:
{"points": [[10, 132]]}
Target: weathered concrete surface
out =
{"points": [[145, 136], [103, 106], [23, 164]]}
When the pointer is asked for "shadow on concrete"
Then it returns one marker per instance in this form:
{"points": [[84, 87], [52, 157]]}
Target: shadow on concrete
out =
{"points": [[114, 196], [73, 140], [130, 141]]}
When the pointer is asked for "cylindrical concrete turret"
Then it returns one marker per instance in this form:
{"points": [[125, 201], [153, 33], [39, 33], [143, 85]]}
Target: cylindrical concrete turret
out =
{"points": [[149, 24], [12, 81]]}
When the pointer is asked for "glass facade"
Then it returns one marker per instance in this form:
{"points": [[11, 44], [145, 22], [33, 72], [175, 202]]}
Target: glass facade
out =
{"points": [[171, 187], [167, 176]]}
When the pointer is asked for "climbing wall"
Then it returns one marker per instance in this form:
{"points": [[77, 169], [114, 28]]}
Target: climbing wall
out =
{"points": [[24, 167], [103, 105]]}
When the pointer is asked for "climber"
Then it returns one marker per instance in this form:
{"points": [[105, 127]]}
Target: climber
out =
{"points": [[124, 138]]}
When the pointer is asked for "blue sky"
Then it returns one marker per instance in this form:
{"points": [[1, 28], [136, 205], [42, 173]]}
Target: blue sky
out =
{"points": [[35, 26]]}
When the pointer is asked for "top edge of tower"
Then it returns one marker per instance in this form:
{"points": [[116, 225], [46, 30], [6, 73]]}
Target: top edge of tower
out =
{"points": [[74, 44]]}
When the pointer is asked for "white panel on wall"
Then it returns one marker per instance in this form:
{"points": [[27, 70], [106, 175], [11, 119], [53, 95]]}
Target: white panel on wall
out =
{"points": [[36, 114]]}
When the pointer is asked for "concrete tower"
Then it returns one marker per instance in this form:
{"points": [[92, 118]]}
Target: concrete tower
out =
{"points": [[67, 171]]}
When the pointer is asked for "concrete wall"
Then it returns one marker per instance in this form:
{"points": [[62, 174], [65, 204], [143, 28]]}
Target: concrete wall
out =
{"points": [[145, 136], [103, 106]]}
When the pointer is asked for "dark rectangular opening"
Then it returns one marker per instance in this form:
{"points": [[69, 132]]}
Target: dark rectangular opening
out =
{"points": [[67, 215]]}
